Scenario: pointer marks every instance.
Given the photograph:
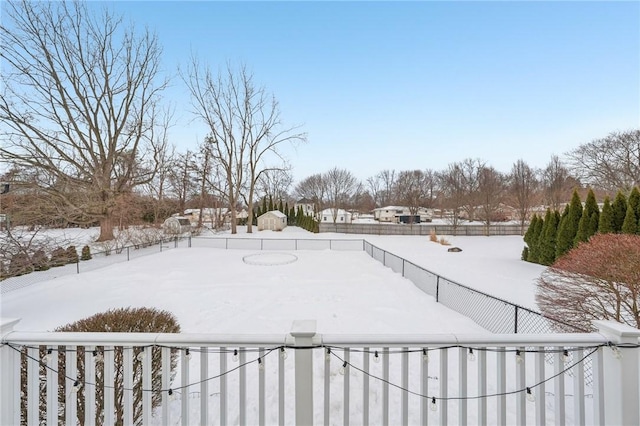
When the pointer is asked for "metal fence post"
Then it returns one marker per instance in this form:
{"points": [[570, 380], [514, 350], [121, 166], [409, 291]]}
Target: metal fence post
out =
{"points": [[303, 332], [78, 266], [621, 369], [515, 326], [128, 258], [10, 372], [437, 288]]}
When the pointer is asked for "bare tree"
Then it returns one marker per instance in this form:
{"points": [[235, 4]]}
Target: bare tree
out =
{"points": [[313, 188], [183, 178], [597, 280], [610, 163], [557, 183], [341, 185], [491, 190], [523, 190], [79, 104], [471, 181], [381, 187], [275, 183], [451, 182], [412, 190], [246, 131]]}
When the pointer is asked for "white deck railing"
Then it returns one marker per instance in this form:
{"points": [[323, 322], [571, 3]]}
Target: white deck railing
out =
{"points": [[309, 378]]}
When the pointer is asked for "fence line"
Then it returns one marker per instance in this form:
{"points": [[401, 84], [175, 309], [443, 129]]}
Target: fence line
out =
{"points": [[419, 229], [98, 260]]}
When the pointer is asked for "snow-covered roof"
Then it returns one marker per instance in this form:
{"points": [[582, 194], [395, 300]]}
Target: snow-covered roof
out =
{"points": [[340, 212], [276, 213]]}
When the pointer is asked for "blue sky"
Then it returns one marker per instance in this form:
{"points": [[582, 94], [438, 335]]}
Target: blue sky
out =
{"points": [[416, 85]]}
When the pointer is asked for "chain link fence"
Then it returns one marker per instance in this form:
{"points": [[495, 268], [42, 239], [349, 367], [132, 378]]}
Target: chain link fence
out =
{"points": [[98, 260], [278, 244]]}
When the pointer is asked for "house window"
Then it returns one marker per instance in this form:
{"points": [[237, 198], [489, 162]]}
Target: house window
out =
{"points": [[324, 218], [341, 219]]}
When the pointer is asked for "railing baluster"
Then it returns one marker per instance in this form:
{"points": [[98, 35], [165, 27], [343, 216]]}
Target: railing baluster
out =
{"points": [[52, 388], [147, 384], [327, 388], [462, 383], [578, 388], [424, 388], [204, 386], [261, 388], [598, 387], [223, 386], [243, 388], [71, 397], [540, 394], [501, 386], [521, 398], [444, 385], [108, 385], [404, 365], [365, 386], [127, 383], [558, 387], [33, 385], [166, 385], [385, 386], [281, 390], [184, 383], [481, 359], [89, 388], [347, 371]]}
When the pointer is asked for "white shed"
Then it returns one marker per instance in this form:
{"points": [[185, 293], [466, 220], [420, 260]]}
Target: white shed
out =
{"points": [[274, 220], [176, 225]]}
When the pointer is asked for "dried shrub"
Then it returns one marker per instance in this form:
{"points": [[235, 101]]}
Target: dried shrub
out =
{"points": [[443, 241], [40, 261], [597, 280], [127, 320], [86, 253], [20, 264], [432, 236], [58, 257], [72, 254]]}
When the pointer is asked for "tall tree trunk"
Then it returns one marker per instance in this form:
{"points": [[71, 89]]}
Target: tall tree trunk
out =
{"points": [[106, 228]]}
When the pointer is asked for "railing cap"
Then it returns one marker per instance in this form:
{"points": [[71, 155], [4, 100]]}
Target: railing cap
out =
{"points": [[303, 328], [616, 329], [7, 324]]}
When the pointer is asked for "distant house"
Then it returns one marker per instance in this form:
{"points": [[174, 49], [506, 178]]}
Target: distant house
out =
{"points": [[273, 220], [341, 216], [401, 214], [307, 206]]}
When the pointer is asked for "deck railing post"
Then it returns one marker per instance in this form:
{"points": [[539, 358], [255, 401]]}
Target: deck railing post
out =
{"points": [[621, 374], [10, 373], [303, 332]]}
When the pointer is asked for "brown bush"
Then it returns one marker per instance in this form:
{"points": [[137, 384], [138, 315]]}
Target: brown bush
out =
{"points": [[597, 280], [128, 320]]}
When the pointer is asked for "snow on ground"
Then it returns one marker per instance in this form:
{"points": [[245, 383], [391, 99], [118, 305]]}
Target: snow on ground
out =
{"points": [[215, 291]]}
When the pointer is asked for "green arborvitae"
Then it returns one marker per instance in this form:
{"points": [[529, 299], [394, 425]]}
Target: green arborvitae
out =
{"points": [[569, 226], [528, 235], [630, 224], [280, 207], [634, 200], [588, 225], [534, 248], [264, 205], [619, 207], [270, 204], [548, 239], [605, 223]]}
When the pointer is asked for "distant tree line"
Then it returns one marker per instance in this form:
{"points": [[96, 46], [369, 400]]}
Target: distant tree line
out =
{"points": [[550, 237]]}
